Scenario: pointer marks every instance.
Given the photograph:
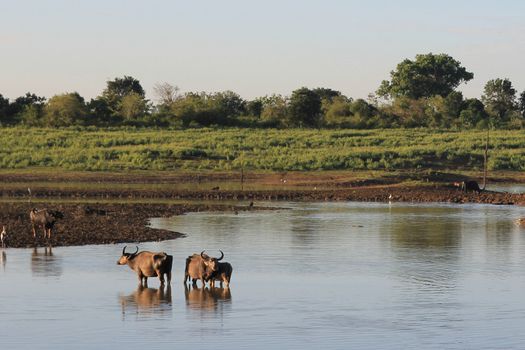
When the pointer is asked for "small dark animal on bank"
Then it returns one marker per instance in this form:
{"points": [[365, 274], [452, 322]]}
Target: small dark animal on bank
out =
{"points": [[216, 188], [223, 274], [201, 267], [148, 264], [44, 218], [469, 185]]}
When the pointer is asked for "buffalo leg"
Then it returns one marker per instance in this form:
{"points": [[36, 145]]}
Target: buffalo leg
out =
{"points": [[168, 276], [34, 232], [161, 277]]}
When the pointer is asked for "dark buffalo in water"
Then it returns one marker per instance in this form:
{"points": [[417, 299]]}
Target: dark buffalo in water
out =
{"points": [[44, 218], [223, 274], [148, 264], [201, 267]]}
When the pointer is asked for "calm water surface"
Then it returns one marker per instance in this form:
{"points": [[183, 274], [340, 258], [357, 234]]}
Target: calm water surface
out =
{"points": [[318, 275]]}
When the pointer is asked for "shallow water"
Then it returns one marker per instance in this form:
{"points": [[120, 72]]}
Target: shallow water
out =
{"points": [[330, 275]]}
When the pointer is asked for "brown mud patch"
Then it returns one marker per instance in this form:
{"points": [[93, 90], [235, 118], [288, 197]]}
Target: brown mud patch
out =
{"points": [[376, 193], [95, 223]]}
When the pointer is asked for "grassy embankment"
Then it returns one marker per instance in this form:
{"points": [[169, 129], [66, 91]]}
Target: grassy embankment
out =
{"points": [[258, 150]]}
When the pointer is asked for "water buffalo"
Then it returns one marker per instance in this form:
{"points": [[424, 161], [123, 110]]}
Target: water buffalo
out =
{"points": [[223, 274], [147, 264], [469, 185], [201, 267], [45, 218]]}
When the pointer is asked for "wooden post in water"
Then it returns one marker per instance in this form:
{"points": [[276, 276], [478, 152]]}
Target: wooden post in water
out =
{"points": [[242, 177], [486, 159]]}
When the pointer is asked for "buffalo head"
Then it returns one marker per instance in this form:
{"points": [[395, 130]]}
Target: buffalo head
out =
{"points": [[123, 260], [211, 262]]}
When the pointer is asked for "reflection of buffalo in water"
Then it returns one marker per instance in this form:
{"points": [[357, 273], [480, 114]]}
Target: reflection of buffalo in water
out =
{"points": [[45, 263], [209, 299], [3, 259], [147, 299]]}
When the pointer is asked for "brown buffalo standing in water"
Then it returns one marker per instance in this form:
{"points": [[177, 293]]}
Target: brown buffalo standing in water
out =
{"points": [[147, 264], [201, 267], [44, 218]]}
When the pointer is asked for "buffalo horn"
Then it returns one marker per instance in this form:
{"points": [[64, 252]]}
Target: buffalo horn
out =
{"points": [[222, 256], [136, 251], [124, 250], [203, 253]]}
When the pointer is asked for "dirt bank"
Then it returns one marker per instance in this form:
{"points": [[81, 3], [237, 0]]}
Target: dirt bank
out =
{"points": [[107, 222], [95, 223]]}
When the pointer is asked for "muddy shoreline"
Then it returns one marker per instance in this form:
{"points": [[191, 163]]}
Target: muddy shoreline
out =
{"points": [[121, 214], [99, 223]]}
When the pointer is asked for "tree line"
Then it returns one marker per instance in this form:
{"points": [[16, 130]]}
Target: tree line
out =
{"points": [[420, 93]]}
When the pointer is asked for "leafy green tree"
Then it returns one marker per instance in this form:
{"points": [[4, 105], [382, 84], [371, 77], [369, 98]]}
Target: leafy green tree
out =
{"points": [[499, 98], [65, 110], [133, 107], [28, 109], [118, 88], [443, 112], [254, 108], [99, 113], [407, 112], [326, 93], [304, 108], [338, 112], [426, 76], [473, 114], [5, 111], [362, 114], [275, 109], [227, 105], [521, 104]]}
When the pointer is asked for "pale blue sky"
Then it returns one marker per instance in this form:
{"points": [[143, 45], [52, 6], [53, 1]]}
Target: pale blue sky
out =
{"points": [[251, 47]]}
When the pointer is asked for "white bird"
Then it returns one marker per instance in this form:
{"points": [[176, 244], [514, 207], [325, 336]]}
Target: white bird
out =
{"points": [[29, 191], [3, 234]]}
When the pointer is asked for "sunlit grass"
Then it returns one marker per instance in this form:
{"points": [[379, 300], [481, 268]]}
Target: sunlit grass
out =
{"points": [[254, 149]]}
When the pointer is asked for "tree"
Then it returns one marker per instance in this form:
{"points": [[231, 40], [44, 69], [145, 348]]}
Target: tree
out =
{"points": [[521, 104], [65, 110], [5, 111], [473, 114], [254, 108], [99, 112], [426, 76], [304, 108], [338, 112], [326, 93], [166, 93], [499, 98], [275, 109], [227, 105], [133, 107], [28, 109], [118, 88]]}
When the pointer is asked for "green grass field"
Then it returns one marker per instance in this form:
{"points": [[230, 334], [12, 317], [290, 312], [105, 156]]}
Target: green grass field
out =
{"points": [[258, 149]]}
